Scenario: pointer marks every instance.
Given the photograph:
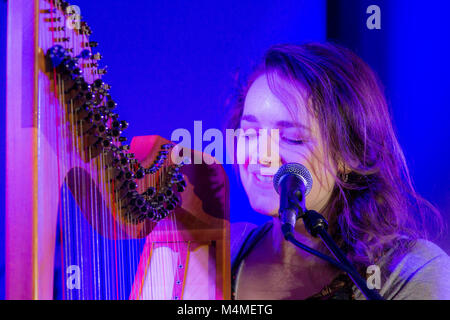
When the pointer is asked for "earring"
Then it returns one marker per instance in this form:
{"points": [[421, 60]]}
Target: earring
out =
{"points": [[345, 177]]}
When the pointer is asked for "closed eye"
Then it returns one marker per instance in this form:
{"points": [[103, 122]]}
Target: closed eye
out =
{"points": [[293, 141]]}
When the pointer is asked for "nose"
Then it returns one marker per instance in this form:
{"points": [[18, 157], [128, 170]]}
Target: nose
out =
{"points": [[268, 155], [265, 160]]}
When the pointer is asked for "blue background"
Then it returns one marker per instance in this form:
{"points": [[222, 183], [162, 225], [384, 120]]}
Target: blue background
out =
{"points": [[174, 62]]}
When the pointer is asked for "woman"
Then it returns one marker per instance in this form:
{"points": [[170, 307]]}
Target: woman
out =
{"points": [[332, 117]]}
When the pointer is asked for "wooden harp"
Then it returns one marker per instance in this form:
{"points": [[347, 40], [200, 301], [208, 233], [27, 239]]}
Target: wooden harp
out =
{"points": [[68, 218]]}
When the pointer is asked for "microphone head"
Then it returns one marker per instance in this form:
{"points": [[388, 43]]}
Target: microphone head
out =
{"points": [[296, 169]]}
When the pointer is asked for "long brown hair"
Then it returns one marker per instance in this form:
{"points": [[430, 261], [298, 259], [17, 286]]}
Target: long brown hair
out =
{"points": [[373, 205]]}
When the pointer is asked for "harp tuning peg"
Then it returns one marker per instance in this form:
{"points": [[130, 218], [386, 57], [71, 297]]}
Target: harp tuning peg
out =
{"points": [[102, 71], [58, 19], [124, 147], [48, 10], [85, 29], [62, 39], [90, 44], [97, 56]]}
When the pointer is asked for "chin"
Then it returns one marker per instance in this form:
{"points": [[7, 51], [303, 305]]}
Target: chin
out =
{"points": [[262, 196], [264, 205]]}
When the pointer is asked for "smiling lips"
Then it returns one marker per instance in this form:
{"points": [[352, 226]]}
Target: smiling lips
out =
{"points": [[265, 181]]}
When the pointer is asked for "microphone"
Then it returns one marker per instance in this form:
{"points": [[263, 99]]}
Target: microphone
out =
{"points": [[293, 182]]}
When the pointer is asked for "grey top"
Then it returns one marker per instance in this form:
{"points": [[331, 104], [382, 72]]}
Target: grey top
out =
{"points": [[423, 273]]}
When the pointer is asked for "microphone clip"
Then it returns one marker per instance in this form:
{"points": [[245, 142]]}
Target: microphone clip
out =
{"points": [[314, 222]]}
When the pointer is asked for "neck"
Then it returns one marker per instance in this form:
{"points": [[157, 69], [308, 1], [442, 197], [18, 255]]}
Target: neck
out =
{"points": [[289, 253]]}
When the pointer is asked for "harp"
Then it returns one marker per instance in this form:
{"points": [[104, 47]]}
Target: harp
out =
{"points": [[100, 218]]}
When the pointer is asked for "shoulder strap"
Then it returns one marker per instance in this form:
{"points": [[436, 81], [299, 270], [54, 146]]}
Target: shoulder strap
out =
{"points": [[247, 246]]}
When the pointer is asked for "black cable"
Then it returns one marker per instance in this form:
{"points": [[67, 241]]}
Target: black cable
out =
{"points": [[349, 269], [316, 225], [329, 259]]}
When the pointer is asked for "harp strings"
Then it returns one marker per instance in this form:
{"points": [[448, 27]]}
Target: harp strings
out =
{"points": [[175, 245], [52, 109], [110, 261]]}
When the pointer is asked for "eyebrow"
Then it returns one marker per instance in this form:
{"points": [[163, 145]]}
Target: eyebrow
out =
{"points": [[279, 124]]}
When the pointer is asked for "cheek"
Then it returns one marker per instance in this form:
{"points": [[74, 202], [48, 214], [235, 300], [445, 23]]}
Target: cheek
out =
{"points": [[318, 197], [323, 179], [323, 184]]}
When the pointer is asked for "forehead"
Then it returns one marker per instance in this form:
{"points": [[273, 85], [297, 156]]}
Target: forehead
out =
{"points": [[262, 105]]}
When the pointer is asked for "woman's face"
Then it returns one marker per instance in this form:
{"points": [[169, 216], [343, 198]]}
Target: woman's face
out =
{"points": [[299, 141]]}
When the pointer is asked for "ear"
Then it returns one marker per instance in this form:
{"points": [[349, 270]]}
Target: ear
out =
{"points": [[344, 168]]}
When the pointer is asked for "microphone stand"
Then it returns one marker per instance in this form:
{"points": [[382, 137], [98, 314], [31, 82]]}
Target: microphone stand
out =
{"points": [[317, 226]]}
